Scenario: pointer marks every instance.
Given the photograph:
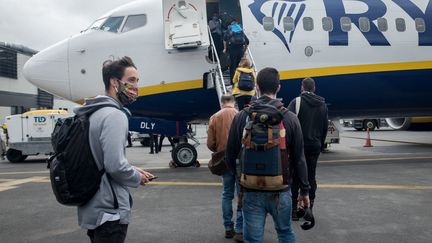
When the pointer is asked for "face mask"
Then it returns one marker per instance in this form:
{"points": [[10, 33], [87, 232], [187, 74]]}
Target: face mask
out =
{"points": [[127, 93]]}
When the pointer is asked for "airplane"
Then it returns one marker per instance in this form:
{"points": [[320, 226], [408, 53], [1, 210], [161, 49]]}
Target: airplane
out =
{"points": [[369, 58]]}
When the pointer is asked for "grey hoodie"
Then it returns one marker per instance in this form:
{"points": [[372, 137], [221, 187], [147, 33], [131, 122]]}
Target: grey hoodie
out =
{"points": [[108, 137]]}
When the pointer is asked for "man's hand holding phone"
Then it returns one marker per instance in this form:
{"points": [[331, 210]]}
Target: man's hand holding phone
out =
{"points": [[145, 176]]}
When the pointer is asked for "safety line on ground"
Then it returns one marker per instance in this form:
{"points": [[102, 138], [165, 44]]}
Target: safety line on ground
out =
{"points": [[390, 187], [391, 141], [203, 165], [4, 186], [39, 179], [25, 172], [373, 159]]}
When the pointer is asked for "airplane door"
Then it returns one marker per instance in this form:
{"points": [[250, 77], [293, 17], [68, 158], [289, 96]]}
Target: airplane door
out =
{"points": [[185, 24]]}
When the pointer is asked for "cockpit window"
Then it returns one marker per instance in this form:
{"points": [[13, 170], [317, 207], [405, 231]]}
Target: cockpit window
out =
{"points": [[112, 24], [97, 24], [134, 22]]}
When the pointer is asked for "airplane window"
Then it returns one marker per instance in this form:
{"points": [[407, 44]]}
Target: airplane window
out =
{"points": [[97, 24], [112, 24], [382, 24], [308, 24], [345, 24], [268, 23], [400, 25], [364, 24], [134, 22], [420, 25], [288, 23], [327, 23]]}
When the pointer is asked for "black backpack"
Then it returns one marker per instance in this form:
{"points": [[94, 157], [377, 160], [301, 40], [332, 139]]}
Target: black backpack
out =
{"points": [[75, 177], [246, 81], [237, 36]]}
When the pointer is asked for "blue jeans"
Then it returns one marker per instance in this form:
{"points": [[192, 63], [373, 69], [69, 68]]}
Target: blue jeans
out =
{"points": [[230, 182], [256, 205]]}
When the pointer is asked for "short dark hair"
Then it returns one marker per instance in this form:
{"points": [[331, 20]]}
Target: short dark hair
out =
{"points": [[268, 80], [308, 84], [227, 99], [115, 69]]}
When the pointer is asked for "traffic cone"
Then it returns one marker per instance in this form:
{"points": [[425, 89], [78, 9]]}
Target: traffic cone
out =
{"points": [[368, 140]]}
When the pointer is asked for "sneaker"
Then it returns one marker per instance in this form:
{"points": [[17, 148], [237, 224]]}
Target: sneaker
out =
{"points": [[294, 215], [238, 237], [229, 234]]}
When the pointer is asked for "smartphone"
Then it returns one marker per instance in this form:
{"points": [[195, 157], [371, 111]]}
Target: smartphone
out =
{"points": [[153, 178]]}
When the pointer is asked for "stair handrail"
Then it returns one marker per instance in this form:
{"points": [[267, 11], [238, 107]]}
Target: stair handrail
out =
{"points": [[220, 84]]}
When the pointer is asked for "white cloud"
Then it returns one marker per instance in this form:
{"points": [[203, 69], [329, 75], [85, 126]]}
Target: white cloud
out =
{"points": [[39, 24]]}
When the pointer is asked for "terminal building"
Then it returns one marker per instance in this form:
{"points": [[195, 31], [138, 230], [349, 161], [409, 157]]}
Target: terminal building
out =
{"points": [[17, 95]]}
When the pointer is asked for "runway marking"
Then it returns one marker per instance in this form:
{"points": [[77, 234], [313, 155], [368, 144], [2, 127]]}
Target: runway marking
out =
{"points": [[25, 172], [13, 184], [372, 159], [177, 183], [333, 186], [4, 186], [388, 187], [392, 141], [203, 165]]}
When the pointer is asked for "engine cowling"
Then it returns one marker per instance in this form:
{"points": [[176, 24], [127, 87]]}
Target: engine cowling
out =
{"points": [[401, 123]]}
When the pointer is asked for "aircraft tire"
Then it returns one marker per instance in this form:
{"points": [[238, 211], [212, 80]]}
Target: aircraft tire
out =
{"points": [[184, 155], [371, 124], [15, 156]]}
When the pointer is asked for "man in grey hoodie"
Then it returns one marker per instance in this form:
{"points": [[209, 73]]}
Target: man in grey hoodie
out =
{"points": [[106, 216]]}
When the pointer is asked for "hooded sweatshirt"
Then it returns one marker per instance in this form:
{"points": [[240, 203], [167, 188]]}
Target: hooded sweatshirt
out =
{"points": [[313, 119], [108, 138]]}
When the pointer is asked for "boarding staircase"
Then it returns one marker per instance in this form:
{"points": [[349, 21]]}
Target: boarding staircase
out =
{"points": [[216, 73]]}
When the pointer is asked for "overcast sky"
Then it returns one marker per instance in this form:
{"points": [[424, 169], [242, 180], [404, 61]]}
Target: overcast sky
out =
{"points": [[40, 23]]}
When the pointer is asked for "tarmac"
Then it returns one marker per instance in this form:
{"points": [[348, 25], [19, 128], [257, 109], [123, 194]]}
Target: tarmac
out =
{"points": [[378, 194]]}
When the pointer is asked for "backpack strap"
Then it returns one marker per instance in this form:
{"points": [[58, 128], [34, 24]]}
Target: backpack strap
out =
{"points": [[297, 106], [116, 205]]}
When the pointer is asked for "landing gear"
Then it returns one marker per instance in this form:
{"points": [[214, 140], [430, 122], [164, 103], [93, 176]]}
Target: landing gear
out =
{"points": [[371, 124], [185, 154]]}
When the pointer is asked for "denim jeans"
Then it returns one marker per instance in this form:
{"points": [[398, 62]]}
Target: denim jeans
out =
{"points": [[231, 184], [256, 205]]}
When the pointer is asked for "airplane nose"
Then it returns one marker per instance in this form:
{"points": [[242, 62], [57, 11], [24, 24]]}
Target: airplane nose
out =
{"points": [[49, 70]]}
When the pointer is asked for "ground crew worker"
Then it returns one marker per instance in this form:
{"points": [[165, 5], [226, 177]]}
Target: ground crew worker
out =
{"points": [[219, 127], [311, 110], [256, 203]]}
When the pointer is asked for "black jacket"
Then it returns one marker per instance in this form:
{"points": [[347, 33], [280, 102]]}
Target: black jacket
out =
{"points": [[294, 139], [313, 119]]}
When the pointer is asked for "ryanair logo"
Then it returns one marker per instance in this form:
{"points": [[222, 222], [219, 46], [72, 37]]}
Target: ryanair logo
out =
{"points": [[279, 10]]}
